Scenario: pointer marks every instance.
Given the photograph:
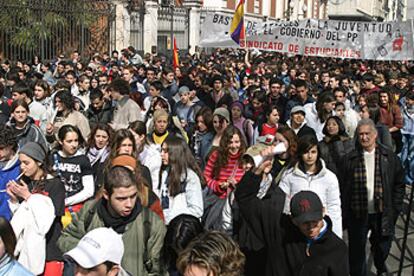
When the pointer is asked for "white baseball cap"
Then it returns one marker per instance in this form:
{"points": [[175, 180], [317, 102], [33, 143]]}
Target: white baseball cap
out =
{"points": [[98, 246]]}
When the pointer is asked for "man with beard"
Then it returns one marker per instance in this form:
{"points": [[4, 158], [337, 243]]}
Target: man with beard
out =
{"points": [[99, 111]]}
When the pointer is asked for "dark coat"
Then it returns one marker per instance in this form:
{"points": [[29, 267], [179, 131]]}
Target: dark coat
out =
{"points": [[328, 255], [392, 181], [306, 130], [333, 149], [104, 116], [260, 218]]}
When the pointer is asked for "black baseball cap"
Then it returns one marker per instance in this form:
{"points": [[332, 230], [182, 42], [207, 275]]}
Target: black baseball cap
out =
{"points": [[306, 206]]}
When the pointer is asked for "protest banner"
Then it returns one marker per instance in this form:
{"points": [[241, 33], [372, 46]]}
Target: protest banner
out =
{"points": [[312, 37]]}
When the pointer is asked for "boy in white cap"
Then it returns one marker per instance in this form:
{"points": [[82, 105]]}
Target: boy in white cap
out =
{"points": [[98, 253]]}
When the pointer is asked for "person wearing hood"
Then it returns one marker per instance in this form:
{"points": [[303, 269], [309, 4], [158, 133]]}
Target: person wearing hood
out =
{"points": [[310, 173], [74, 170], [297, 122], [24, 126], [9, 166]]}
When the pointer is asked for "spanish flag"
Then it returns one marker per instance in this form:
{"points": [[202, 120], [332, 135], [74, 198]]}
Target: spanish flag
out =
{"points": [[237, 31], [176, 62]]}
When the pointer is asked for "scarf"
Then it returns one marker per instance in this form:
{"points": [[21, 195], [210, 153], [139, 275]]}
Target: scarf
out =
{"points": [[94, 155], [359, 196], [117, 223], [159, 139]]}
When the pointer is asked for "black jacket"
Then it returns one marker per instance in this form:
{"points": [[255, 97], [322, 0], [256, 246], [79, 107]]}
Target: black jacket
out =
{"points": [[104, 116], [328, 255], [261, 218], [306, 130], [332, 149], [392, 181]]}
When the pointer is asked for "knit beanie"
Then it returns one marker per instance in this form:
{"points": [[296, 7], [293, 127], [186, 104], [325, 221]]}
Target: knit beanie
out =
{"points": [[223, 112], [34, 151]]}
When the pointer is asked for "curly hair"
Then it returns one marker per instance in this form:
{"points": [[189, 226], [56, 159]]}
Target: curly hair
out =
{"points": [[223, 150], [8, 137], [215, 252]]}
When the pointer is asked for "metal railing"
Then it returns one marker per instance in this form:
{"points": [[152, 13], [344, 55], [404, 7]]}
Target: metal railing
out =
{"points": [[46, 28]]}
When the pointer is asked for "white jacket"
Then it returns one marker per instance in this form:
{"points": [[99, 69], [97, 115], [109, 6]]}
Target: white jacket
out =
{"points": [[151, 158], [31, 221], [189, 202], [324, 184], [313, 121]]}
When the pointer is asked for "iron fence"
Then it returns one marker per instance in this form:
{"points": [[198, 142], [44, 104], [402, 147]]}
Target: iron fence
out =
{"points": [[47, 28]]}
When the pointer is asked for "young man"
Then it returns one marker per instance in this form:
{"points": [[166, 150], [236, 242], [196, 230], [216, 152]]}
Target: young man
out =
{"points": [[142, 230], [170, 86], [297, 122], [98, 253], [372, 194], [184, 109], [275, 97], [126, 110], [99, 111], [9, 166], [301, 98]]}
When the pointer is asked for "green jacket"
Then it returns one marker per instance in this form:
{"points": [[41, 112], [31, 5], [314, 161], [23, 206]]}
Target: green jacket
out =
{"points": [[133, 239]]}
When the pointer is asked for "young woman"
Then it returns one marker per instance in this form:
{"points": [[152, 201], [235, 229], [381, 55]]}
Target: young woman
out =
{"points": [[221, 120], [203, 135], [74, 169], [66, 115], [224, 169], [124, 143], [180, 187], [25, 128], [310, 173], [335, 144], [244, 125], [37, 180], [148, 153], [8, 265], [271, 125], [98, 151]]}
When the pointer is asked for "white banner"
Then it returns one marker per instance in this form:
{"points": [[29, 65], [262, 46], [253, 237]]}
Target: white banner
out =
{"points": [[312, 37]]}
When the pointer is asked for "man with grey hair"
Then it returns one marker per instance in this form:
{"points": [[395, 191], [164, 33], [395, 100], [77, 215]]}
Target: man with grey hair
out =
{"points": [[372, 194]]}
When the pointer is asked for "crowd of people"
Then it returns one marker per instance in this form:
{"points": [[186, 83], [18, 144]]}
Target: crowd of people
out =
{"points": [[232, 163]]}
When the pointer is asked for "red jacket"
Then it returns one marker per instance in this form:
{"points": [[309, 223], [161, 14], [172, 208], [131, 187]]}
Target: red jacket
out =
{"points": [[392, 117]]}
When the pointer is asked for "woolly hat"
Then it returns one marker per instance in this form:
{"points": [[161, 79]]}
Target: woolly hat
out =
{"points": [[237, 104], [34, 151], [223, 112], [124, 160]]}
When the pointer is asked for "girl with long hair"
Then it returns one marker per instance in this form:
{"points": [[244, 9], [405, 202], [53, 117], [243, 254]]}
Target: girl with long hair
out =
{"points": [[124, 143], [98, 149], [335, 144], [180, 181], [74, 169], [38, 201], [24, 126], [310, 173], [203, 135], [147, 153], [224, 167]]}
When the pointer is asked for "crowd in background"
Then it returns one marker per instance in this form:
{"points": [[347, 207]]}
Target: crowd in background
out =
{"points": [[232, 163]]}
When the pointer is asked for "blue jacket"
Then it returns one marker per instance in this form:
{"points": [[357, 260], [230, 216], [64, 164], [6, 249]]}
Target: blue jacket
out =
{"points": [[9, 172], [11, 267]]}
